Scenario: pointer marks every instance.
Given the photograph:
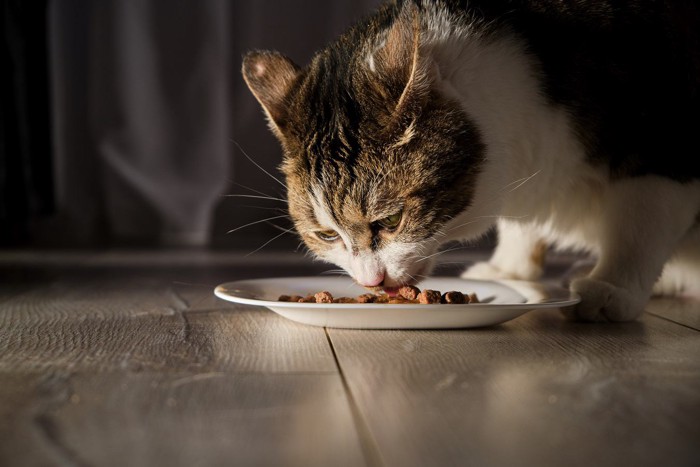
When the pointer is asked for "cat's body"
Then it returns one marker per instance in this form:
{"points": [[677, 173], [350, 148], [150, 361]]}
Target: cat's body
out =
{"points": [[567, 124]]}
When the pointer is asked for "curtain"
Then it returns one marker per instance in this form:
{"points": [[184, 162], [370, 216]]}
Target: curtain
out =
{"points": [[141, 92], [149, 117]]}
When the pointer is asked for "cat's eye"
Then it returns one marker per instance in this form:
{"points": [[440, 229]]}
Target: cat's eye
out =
{"points": [[327, 235], [391, 222]]}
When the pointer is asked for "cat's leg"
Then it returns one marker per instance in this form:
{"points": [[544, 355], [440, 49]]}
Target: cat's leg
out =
{"points": [[681, 275], [519, 254], [642, 223]]}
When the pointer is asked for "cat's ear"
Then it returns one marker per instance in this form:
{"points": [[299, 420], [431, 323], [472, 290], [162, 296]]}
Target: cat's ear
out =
{"points": [[401, 60], [269, 76]]}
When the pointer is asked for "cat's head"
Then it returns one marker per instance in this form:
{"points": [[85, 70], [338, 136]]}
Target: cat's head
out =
{"points": [[377, 158]]}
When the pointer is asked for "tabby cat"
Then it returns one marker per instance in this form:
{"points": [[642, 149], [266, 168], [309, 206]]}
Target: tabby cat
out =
{"points": [[569, 125]]}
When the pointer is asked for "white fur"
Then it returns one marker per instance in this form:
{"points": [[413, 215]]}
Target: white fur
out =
{"points": [[370, 63], [536, 185], [322, 212]]}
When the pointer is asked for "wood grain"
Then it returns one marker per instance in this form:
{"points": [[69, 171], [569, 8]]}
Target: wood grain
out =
{"points": [[107, 368], [129, 359], [209, 419], [682, 310], [536, 391]]}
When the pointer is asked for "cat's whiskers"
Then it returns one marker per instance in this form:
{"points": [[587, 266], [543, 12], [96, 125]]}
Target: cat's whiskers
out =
{"points": [[258, 165], [442, 252], [267, 208], [413, 278], [337, 272], [270, 241], [477, 218], [271, 198], [521, 181], [284, 229], [262, 193], [258, 222]]}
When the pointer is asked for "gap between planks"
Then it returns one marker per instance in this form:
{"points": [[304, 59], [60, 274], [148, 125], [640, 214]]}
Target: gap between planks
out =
{"points": [[370, 449]]}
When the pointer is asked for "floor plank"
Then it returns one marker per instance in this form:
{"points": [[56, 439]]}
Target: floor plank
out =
{"points": [[682, 310], [129, 359], [144, 323], [107, 368], [535, 391], [148, 419]]}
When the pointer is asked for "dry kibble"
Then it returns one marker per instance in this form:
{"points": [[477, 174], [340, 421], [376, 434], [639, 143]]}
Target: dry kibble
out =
{"points": [[409, 292], [453, 297], [405, 295], [324, 297], [366, 298], [382, 299], [402, 300], [428, 296], [290, 298], [344, 300]]}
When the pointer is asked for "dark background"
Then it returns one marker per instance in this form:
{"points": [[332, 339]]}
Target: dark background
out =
{"points": [[124, 121]]}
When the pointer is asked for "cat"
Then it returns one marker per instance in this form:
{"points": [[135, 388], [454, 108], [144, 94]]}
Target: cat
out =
{"points": [[564, 125]]}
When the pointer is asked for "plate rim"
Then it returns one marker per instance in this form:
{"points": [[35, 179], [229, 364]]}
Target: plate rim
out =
{"points": [[572, 299]]}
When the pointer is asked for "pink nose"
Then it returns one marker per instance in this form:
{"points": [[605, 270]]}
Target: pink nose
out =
{"points": [[373, 281]]}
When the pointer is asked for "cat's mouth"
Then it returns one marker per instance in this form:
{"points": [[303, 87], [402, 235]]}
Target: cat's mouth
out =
{"points": [[393, 286]]}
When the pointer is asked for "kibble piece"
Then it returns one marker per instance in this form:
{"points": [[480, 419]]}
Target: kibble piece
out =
{"points": [[290, 298], [366, 298], [429, 296], [473, 298], [307, 299], [344, 300], [324, 297], [401, 300], [453, 297], [409, 292], [383, 298]]}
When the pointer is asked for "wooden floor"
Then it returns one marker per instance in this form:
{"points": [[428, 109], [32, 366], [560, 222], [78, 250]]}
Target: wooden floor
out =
{"points": [[127, 359]]}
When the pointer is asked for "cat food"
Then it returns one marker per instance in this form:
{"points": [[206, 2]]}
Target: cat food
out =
{"points": [[307, 299], [366, 298], [429, 297], [453, 297], [345, 300], [324, 297], [407, 294]]}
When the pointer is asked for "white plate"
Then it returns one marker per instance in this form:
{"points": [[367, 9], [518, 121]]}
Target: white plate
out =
{"points": [[502, 301]]}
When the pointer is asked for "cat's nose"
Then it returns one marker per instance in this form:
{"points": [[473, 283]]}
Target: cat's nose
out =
{"points": [[374, 280]]}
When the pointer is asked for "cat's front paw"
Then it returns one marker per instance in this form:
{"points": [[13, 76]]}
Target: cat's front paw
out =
{"points": [[603, 301]]}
